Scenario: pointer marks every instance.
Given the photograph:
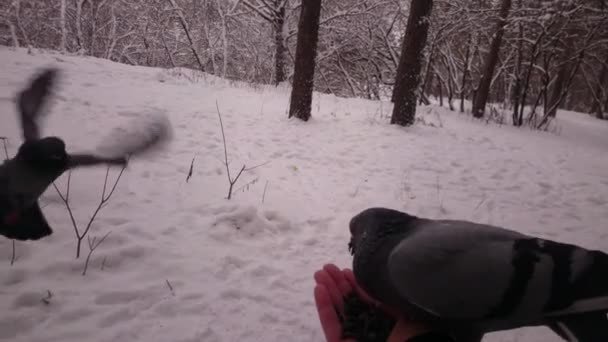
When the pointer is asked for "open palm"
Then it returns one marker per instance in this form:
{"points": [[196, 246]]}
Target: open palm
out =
{"points": [[332, 286]]}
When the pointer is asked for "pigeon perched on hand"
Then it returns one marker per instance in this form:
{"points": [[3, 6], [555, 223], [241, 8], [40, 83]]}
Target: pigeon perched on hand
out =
{"points": [[40, 161], [471, 279]]}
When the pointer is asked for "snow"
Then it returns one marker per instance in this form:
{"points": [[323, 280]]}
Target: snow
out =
{"points": [[184, 264]]}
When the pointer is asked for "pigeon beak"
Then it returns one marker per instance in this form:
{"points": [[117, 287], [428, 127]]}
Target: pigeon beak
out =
{"points": [[351, 247]]}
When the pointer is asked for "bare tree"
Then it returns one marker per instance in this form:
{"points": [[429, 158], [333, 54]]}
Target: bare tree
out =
{"points": [[483, 90], [410, 63], [306, 52], [185, 26], [105, 197], [358, 45], [274, 12], [601, 93], [64, 30]]}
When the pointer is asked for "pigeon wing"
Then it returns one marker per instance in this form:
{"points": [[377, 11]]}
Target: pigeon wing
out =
{"points": [[31, 100], [460, 270]]}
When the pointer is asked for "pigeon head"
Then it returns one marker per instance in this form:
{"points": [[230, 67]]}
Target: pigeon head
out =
{"points": [[46, 154], [374, 223]]}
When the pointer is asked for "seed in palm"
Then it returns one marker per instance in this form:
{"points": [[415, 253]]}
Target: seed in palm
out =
{"points": [[363, 321]]}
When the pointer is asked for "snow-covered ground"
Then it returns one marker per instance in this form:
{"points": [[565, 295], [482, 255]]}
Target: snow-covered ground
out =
{"points": [[241, 270]]}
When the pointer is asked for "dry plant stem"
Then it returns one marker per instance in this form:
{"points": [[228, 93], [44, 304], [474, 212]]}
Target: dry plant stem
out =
{"points": [[246, 186], [13, 255], [93, 244], [231, 181], [264, 193], [47, 300], [191, 169], [170, 287], [105, 197]]}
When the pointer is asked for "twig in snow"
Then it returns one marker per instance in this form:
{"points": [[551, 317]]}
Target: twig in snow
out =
{"points": [[255, 167], [262, 109], [103, 263], [354, 194], [264, 193], [14, 254], [191, 169], [105, 197], [231, 181], [479, 204], [170, 287], [441, 207], [47, 300], [246, 186], [93, 244]]}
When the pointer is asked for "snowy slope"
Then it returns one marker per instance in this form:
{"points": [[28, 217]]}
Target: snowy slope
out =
{"points": [[241, 270]]}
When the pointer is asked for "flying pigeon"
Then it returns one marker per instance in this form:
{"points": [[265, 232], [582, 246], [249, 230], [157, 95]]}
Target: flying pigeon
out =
{"points": [[40, 161], [470, 279]]}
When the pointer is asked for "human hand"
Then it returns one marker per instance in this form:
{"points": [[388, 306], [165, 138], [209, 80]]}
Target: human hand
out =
{"points": [[332, 286]]}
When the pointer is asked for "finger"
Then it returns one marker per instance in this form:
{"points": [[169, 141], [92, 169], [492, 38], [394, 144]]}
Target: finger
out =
{"points": [[327, 314], [338, 276], [323, 278]]}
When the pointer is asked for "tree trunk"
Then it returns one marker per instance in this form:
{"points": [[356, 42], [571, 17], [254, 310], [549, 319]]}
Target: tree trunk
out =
{"points": [[483, 90], [169, 54], [465, 74], [428, 75], [225, 45], [534, 53], [112, 35], [78, 22], [306, 53], [410, 63], [558, 89], [428, 88], [517, 86], [602, 86], [449, 83], [279, 42], [439, 84], [64, 30], [13, 34], [211, 48], [184, 24], [93, 29], [26, 39]]}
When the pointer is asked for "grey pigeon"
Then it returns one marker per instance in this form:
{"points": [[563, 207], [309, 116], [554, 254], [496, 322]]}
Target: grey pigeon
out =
{"points": [[470, 279], [39, 162]]}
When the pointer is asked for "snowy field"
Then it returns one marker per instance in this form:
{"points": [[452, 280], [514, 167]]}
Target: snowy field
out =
{"points": [[241, 270]]}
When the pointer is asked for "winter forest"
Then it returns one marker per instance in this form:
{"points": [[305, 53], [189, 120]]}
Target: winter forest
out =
{"points": [[516, 60], [205, 170]]}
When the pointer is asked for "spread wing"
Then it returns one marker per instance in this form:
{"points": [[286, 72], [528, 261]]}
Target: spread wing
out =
{"points": [[31, 100]]}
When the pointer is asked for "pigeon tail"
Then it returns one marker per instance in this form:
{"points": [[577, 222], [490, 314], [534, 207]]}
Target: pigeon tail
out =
{"points": [[29, 224], [586, 320]]}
